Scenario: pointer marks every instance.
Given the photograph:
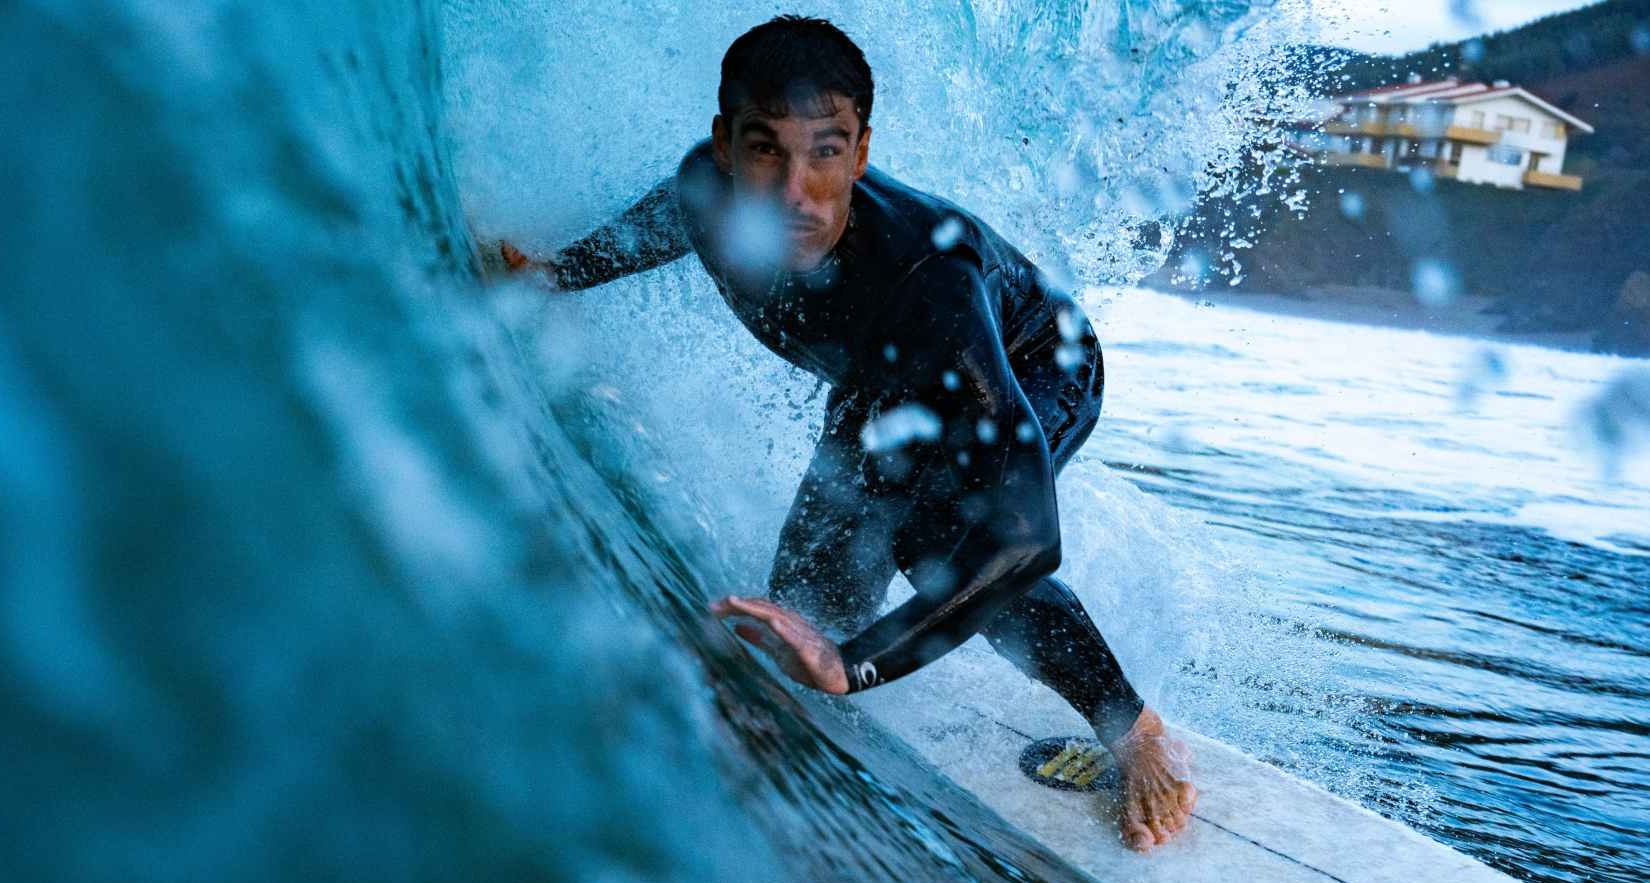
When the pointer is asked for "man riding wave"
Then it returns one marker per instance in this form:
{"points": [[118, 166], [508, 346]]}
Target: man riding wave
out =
{"points": [[961, 383]]}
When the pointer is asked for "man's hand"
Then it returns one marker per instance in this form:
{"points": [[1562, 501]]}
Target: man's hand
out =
{"points": [[808, 657], [513, 258], [517, 261]]}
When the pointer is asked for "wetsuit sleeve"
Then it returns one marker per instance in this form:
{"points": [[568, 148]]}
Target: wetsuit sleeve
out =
{"points": [[985, 527], [644, 236]]}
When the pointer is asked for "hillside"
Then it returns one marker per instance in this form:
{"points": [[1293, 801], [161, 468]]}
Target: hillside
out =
{"points": [[1553, 260]]}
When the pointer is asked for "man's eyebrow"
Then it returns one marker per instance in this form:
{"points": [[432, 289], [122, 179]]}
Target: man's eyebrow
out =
{"points": [[837, 132], [757, 127]]}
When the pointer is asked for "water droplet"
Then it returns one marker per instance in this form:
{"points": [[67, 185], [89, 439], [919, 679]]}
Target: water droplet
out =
{"points": [[1352, 206], [1435, 282], [947, 232], [1194, 265], [1068, 356], [1070, 324], [899, 427]]}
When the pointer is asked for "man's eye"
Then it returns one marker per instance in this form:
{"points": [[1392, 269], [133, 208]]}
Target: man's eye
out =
{"points": [[765, 149], [826, 151]]}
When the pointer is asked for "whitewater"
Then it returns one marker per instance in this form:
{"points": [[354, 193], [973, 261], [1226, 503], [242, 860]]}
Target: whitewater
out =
{"points": [[323, 555]]}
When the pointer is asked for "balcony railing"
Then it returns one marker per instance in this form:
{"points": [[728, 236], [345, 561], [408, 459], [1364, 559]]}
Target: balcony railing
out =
{"points": [[1471, 135], [1468, 134], [1365, 160], [1549, 179]]}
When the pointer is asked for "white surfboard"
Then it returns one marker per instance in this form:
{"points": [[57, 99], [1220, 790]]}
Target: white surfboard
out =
{"points": [[1253, 821]]}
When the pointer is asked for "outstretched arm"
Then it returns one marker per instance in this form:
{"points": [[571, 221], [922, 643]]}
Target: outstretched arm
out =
{"points": [[644, 236]]}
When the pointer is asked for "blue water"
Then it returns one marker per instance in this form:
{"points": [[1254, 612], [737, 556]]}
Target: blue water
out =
{"points": [[321, 558], [1471, 555]]}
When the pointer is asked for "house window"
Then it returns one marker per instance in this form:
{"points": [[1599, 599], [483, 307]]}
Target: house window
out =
{"points": [[1455, 153], [1552, 129], [1502, 122], [1507, 156], [1478, 119], [1519, 124]]}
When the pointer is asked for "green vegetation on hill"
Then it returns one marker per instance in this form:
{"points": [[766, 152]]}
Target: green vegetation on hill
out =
{"points": [[1545, 49], [1555, 260], [1544, 56]]}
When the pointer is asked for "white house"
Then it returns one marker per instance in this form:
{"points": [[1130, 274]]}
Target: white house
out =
{"points": [[1496, 134]]}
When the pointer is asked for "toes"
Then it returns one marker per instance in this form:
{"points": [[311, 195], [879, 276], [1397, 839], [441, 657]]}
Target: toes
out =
{"points": [[1138, 837], [1188, 796]]}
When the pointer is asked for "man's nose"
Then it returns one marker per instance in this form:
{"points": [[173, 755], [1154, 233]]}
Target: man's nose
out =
{"points": [[795, 191]]}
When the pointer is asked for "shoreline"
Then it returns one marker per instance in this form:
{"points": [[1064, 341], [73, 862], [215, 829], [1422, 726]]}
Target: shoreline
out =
{"points": [[1388, 308]]}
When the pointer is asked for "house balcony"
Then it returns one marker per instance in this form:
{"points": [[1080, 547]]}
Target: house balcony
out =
{"points": [[1337, 127], [1365, 160], [1471, 135], [1534, 178], [1466, 134]]}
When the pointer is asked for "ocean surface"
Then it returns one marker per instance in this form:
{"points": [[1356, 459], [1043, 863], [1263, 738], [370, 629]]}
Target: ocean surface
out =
{"points": [[1461, 524], [322, 556]]}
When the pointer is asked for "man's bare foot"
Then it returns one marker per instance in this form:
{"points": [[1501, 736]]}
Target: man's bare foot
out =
{"points": [[1157, 794]]}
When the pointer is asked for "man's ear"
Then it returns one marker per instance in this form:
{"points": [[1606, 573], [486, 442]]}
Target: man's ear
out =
{"points": [[864, 153], [720, 144]]}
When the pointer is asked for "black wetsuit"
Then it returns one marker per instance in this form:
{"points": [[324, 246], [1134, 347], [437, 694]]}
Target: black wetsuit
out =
{"points": [[960, 383]]}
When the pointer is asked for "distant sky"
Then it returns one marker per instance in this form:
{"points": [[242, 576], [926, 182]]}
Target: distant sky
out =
{"points": [[1398, 26]]}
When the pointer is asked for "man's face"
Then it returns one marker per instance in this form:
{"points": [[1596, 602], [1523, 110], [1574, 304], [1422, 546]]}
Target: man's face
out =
{"points": [[804, 165]]}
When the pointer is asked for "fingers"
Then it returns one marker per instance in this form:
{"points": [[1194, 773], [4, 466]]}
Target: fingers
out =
{"points": [[732, 605], [752, 606], [806, 654], [783, 622], [513, 258], [759, 637], [771, 631]]}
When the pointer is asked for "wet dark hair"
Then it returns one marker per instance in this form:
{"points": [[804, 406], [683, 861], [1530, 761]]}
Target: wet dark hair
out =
{"points": [[792, 61]]}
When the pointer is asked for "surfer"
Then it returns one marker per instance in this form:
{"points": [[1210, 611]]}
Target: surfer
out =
{"points": [[961, 382]]}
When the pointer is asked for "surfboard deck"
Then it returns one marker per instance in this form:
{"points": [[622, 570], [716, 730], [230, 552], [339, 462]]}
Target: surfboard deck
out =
{"points": [[1253, 821], [1069, 763]]}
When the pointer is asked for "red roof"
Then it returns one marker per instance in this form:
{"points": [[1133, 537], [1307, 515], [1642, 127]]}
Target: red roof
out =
{"points": [[1395, 87]]}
